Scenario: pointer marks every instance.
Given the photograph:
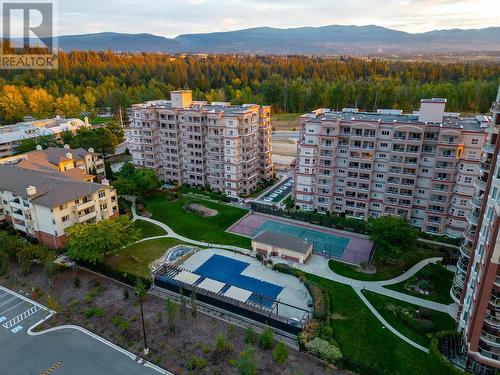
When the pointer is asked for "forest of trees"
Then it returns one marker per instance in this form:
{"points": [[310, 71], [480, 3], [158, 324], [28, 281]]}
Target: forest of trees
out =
{"points": [[89, 80]]}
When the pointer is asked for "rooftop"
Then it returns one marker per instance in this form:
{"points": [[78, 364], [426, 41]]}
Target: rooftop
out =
{"points": [[284, 241], [31, 129], [394, 116], [52, 188], [49, 159]]}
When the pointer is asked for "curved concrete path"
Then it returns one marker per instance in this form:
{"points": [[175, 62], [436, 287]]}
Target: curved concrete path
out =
{"points": [[317, 266], [171, 234]]}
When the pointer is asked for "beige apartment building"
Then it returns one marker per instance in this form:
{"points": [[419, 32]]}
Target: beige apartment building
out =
{"points": [[476, 285], [420, 166], [42, 204], [78, 164], [223, 146]]}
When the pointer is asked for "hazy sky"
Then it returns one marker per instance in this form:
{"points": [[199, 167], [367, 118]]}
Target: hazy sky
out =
{"points": [[171, 18]]}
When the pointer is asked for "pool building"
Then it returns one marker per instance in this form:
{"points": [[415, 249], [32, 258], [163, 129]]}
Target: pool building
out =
{"points": [[281, 245]]}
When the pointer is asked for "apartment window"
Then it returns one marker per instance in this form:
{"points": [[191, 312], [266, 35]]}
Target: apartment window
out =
{"points": [[494, 193], [102, 194], [383, 155], [65, 218], [420, 191], [385, 132], [307, 161], [425, 170], [380, 175], [384, 144], [474, 141], [468, 180], [61, 207], [379, 186]]}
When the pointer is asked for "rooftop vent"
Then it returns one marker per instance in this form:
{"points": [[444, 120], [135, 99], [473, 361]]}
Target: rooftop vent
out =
{"points": [[31, 190], [69, 155]]}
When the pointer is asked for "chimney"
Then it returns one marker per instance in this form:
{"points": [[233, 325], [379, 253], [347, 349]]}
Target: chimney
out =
{"points": [[105, 182], [66, 147], [69, 155], [432, 110], [39, 148], [31, 190], [91, 150]]}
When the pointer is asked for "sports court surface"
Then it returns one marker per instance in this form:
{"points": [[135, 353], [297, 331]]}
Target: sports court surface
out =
{"points": [[347, 247]]}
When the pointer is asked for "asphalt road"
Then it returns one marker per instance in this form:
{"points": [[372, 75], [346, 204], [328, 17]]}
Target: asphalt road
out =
{"points": [[285, 135], [66, 351]]}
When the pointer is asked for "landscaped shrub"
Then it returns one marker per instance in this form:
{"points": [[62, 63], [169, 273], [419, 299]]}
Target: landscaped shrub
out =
{"points": [[246, 363], [310, 331], [280, 353], [94, 311], [426, 325], [324, 350], [195, 363], [266, 339], [249, 335], [319, 299], [283, 268]]}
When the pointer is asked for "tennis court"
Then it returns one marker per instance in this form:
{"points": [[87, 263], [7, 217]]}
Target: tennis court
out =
{"points": [[348, 247], [323, 243]]}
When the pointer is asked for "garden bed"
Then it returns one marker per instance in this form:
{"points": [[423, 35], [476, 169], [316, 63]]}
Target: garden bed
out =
{"points": [[203, 344]]}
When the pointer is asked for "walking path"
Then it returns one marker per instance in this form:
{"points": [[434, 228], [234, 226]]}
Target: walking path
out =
{"points": [[171, 234], [317, 266]]}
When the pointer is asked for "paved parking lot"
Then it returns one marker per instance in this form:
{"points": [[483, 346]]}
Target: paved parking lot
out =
{"points": [[67, 351]]}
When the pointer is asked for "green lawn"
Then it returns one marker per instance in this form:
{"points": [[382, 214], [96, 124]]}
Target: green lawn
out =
{"points": [[368, 348], [384, 271], [440, 279], [386, 306], [148, 229], [136, 258], [208, 229]]}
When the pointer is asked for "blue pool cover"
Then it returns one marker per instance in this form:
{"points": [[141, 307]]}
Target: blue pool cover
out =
{"points": [[228, 271]]}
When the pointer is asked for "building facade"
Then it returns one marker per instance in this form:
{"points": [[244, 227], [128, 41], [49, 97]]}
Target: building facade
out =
{"points": [[420, 166], [227, 148], [79, 164], [12, 135], [43, 204], [476, 285]]}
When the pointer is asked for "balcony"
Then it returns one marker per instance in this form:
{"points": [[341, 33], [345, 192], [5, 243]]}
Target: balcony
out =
{"points": [[488, 354], [85, 205], [492, 320], [473, 218], [489, 148], [87, 217], [476, 201], [462, 264], [484, 167], [465, 249], [490, 339], [480, 185]]}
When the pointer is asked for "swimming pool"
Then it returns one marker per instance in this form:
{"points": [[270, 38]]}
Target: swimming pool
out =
{"points": [[323, 243], [228, 271]]}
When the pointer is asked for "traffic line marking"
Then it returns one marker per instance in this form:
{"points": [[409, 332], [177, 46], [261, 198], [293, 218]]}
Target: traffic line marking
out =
{"points": [[13, 307], [53, 368], [16, 329], [2, 319], [21, 317], [8, 301]]}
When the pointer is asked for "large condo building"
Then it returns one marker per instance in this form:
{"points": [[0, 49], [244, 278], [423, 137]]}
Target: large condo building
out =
{"points": [[223, 146], [477, 280], [420, 166]]}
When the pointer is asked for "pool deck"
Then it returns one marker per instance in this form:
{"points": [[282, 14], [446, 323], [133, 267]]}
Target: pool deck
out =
{"points": [[358, 250], [293, 293]]}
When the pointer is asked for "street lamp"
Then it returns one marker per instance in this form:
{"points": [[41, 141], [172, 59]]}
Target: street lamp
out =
{"points": [[140, 291]]}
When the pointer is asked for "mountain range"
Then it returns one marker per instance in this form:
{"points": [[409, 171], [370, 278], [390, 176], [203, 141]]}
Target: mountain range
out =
{"points": [[324, 40]]}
